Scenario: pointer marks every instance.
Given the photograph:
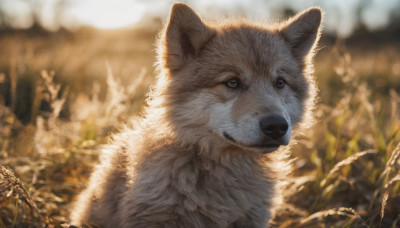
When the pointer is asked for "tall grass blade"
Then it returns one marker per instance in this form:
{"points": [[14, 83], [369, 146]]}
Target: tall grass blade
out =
{"points": [[344, 162]]}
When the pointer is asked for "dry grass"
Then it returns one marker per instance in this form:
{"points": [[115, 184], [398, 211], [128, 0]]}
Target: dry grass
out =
{"points": [[71, 100], [14, 187]]}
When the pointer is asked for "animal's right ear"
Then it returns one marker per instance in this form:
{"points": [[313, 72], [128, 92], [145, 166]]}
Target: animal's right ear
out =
{"points": [[185, 36]]}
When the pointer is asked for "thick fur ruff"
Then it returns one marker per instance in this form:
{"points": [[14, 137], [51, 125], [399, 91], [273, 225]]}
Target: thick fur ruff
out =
{"points": [[212, 146]]}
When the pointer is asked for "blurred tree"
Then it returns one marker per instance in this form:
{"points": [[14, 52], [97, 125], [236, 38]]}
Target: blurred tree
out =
{"points": [[2, 16], [42, 14], [35, 6]]}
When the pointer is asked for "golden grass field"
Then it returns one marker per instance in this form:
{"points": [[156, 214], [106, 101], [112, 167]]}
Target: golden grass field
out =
{"points": [[62, 95]]}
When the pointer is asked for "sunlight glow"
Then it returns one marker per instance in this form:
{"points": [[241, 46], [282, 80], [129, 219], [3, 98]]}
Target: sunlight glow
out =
{"points": [[106, 14], [341, 16]]}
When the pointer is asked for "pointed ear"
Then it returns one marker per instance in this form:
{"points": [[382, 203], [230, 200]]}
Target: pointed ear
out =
{"points": [[303, 31], [185, 36]]}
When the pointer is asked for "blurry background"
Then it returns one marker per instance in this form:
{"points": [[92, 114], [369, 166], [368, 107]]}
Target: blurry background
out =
{"points": [[75, 38], [341, 17], [74, 71]]}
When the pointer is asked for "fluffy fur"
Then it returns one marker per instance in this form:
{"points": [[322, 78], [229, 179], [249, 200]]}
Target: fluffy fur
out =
{"points": [[230, 98]]}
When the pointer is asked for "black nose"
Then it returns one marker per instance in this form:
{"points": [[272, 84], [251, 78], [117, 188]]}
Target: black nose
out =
{"points": [[274, 126]]}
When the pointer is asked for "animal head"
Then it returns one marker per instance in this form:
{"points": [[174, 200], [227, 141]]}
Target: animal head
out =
{"points": [[237, 82]]}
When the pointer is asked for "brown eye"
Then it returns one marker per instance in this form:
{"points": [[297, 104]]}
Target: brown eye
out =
{"points": [[280, 83], [233, 83]]}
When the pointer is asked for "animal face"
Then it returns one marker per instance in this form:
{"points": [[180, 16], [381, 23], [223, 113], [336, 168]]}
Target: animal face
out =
{"points": [[247, 84]]}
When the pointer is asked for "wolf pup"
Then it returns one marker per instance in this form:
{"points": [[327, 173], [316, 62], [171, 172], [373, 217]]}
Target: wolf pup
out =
{"points": [[229, 99]]}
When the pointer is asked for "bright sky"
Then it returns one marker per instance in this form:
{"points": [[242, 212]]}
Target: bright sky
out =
{"points": [[102, 14], [339, 17]]}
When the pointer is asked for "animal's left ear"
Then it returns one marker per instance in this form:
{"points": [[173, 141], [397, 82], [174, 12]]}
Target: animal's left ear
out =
{"points": [[185, 36], [303, 31]]}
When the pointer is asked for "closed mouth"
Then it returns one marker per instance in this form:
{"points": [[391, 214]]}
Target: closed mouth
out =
{"points": [[265, 148], [265, 145]]}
